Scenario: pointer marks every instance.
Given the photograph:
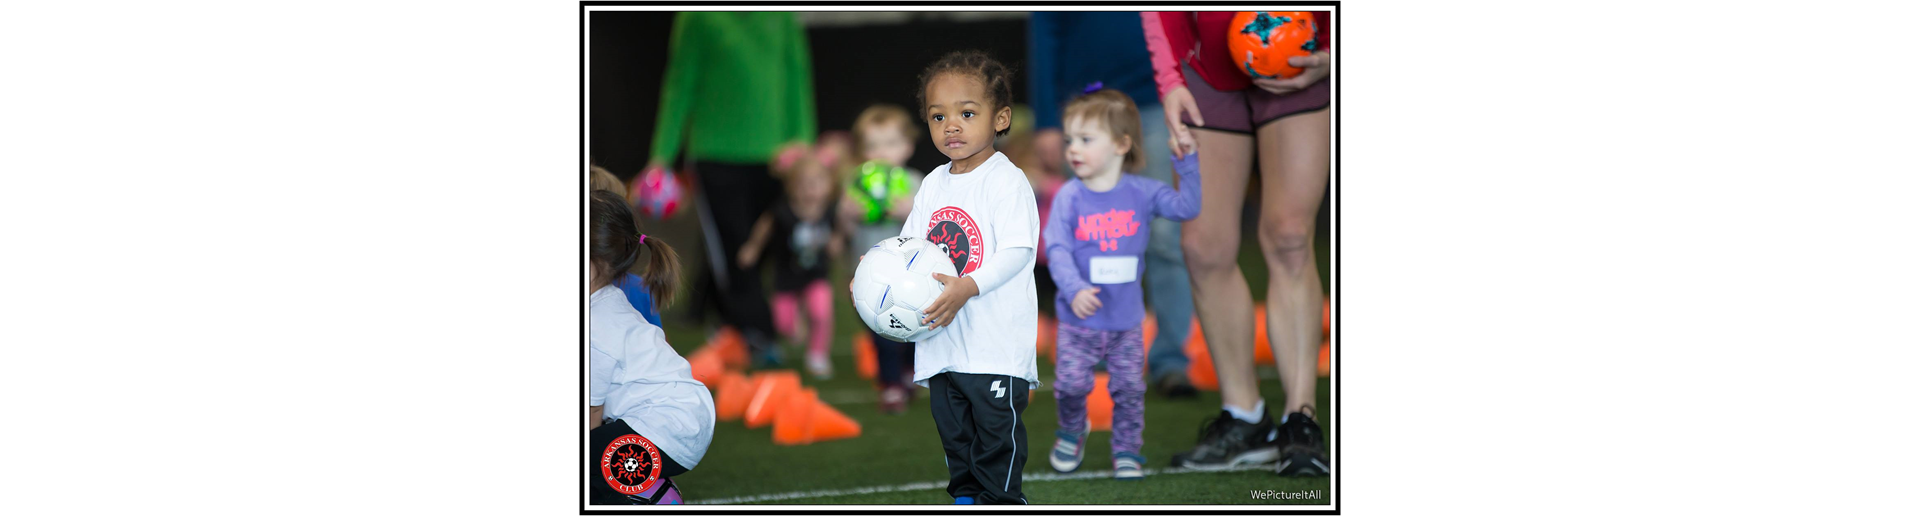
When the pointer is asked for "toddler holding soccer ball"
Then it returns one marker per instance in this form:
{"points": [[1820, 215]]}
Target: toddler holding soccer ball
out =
{"points": [[975, 342], [1096, 238]]}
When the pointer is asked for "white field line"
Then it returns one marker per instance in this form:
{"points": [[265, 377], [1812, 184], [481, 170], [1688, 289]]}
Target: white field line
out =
{"points": [[850, 397], [918, 486]]}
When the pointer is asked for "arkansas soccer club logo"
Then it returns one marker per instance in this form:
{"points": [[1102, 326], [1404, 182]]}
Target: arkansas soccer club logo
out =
{"points": [[952, 227], [630, 464]]}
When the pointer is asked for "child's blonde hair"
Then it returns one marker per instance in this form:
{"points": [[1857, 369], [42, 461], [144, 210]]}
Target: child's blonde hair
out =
{"points": [[878, 115], [808, 162], [1122, 119], [601, 179]]}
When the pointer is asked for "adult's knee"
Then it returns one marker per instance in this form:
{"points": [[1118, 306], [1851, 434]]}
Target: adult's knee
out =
{"points": [[1288, 241], [1208, 249]]}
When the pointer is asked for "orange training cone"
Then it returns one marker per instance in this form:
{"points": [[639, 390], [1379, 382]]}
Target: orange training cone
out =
{"points": [[1200, 362], [707, 366], [1326, 316], [730, 400], [829, 424], [865, 359], [1326, 359], [770, 390], [790, 421], [806, 420], [1262, 348], [1100, 404], [731, 347]]}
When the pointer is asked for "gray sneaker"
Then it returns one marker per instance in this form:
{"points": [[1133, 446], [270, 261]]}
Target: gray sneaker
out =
{"points": [[1304, 453], [1129, 466], [1068, 449], [1226, 443]]}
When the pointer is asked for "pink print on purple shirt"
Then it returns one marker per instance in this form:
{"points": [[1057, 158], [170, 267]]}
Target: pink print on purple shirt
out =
{"points": [[1107, 228]]}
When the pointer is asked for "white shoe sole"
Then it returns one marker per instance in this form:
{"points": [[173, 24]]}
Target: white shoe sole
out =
{"points": [[1062, 467], [1248, 458]]}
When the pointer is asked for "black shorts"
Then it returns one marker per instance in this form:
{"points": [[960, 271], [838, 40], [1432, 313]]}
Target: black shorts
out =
{"points": [[599, 491]]}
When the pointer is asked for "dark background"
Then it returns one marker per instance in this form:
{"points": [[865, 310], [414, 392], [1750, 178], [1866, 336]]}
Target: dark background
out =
{"points": [[853, 67]]}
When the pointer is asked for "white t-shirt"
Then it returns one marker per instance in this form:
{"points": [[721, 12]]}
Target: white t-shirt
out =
{"points": [[976, 214], [639, 379]]}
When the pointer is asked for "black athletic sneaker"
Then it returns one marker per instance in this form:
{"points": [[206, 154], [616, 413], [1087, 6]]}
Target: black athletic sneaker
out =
{"points": [[1303, 450], [1226, 443]]}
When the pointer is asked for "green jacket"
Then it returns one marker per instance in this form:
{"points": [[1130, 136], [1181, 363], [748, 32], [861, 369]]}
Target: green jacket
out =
{"points": [[738, 85]]}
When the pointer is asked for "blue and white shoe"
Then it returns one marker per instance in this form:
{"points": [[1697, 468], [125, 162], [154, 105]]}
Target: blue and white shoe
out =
{"points": [[1068, 449], [1129, 466]]}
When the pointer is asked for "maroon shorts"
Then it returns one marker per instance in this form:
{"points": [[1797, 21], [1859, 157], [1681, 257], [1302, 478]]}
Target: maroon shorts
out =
{"points": [[1245, 110]]}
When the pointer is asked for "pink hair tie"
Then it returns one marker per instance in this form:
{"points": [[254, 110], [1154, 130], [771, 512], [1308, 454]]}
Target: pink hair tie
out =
{"points": [[643, 239]]}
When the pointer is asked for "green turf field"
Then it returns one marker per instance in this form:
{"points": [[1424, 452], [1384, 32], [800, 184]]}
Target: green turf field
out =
{"points": [[897, 459]]}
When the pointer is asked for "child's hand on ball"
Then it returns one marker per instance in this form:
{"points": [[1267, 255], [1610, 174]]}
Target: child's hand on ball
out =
{"points": [[850, 281], [1085, 303], [955, 295]]}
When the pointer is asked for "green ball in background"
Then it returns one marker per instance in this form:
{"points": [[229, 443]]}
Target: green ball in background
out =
{"points": [[877, 185]]}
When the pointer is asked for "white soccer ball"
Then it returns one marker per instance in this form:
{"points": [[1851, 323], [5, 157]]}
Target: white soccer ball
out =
{"points": [[895, 282]]}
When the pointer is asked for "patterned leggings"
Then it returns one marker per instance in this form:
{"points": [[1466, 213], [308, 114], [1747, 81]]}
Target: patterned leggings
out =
{"points": [[1079, 349]]}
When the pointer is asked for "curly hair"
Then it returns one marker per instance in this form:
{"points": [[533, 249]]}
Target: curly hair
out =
{"points": [[996, 77]]}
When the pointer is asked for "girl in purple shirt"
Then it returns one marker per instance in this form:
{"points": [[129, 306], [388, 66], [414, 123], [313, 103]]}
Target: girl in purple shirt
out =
{"points": [[1095, 239]]}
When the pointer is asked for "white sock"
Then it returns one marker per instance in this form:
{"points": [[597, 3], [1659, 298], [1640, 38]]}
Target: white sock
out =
{"points": [[1249, 416]]}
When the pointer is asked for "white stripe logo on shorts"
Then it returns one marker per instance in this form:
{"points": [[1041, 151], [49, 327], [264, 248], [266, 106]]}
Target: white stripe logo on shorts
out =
{"points": [[998, 391]]}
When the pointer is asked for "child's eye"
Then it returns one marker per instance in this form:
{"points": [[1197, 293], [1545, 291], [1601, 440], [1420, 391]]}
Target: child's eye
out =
{"points": [[968, 114], [938, 118]]}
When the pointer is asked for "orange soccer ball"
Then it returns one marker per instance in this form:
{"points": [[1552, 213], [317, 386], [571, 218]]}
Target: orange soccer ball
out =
{"points": [[1261, 41]]}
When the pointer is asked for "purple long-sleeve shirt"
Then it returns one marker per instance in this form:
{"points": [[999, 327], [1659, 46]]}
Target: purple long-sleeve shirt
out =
{"points": [[1099, 239]]}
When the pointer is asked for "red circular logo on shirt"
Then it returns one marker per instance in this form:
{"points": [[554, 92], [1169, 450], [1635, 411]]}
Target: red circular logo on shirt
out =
{"points": [[631, 464], [952, 227]]}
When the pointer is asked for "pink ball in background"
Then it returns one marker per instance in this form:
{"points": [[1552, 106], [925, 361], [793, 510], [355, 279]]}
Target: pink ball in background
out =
{"points": [[656, 193]]}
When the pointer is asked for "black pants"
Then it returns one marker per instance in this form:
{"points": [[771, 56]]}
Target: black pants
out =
{"points": [[980, 427], [737, 195], [599, 491]]}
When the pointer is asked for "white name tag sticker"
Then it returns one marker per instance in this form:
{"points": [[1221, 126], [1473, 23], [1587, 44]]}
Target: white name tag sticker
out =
{"points": [[1107, 270]]}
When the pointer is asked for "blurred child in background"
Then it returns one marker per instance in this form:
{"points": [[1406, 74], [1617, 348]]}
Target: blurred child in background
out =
{"points": [[879, 195], [630, 284], [800, 234], [1067, 51], [639, 390], [1019, 146], [1097, 237]]}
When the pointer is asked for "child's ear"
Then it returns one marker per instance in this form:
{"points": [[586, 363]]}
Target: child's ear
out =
{"points": [[1124, 145], [1003, 120]]}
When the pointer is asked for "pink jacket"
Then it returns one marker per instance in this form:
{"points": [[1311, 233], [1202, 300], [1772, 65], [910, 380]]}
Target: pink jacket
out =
{"points": [[1201, 38]]}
